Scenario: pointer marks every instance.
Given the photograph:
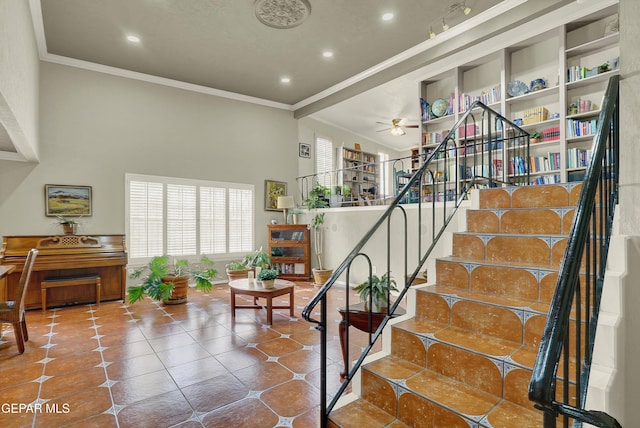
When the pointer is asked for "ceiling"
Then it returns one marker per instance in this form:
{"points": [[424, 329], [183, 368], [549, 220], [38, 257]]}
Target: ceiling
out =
{"points": [[220, 47]]}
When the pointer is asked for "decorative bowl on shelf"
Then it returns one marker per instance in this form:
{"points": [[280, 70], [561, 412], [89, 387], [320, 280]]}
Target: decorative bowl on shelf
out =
{"points": [[537, 84], [516, 88], [440, 107]]}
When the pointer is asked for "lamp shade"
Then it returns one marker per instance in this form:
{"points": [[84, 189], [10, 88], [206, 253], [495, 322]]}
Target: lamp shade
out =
{"points": [[285, 202]]}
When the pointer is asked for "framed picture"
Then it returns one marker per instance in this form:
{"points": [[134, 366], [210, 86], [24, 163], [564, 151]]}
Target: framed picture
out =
{"points": [[273, 189], [304, 150], [68, 201]]}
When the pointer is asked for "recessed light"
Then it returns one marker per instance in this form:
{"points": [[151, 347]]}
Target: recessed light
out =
{"points": [[285, 80], [387, 16], [327, 54], [133, 39]]}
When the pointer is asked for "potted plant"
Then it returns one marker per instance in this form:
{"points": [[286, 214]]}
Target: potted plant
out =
{"points": [[534, 137], [69, 225], [255, 260], [376, 291], [169, 283], [316, 200], [268, 277]]}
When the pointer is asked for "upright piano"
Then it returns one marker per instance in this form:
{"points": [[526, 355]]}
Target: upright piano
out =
{"points": [[64, 256]]}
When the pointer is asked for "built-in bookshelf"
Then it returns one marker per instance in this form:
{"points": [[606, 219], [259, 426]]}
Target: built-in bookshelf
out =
{"points": [[359, 172], [574, 61]]}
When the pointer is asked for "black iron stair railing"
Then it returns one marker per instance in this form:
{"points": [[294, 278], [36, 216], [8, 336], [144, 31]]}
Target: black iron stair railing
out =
{"points": [[489, 152], [585, 257]]}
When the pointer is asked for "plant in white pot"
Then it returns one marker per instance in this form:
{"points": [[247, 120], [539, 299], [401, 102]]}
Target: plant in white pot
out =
{"points": [[317, 200], [268, 277]]}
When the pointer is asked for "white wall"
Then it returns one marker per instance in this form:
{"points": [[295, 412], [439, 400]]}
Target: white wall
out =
{"points": [[19, 77], [97, 127]]}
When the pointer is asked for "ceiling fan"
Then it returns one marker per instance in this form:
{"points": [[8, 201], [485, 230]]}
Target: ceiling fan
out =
{"points": [[397, 127]]}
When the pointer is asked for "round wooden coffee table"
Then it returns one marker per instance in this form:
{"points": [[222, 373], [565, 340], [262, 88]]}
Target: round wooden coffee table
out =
{"points": [[253, 288]]}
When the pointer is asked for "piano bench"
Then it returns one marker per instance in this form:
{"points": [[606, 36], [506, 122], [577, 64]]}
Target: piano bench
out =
{"points": [[68, 281]]}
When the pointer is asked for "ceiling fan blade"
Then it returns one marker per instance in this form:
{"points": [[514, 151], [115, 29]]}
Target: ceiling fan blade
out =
{"points": [[382, 130], [411, 126]]}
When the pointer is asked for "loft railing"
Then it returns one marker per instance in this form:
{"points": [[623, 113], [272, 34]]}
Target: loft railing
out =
{"points": [[491, 150], [561, 372]]}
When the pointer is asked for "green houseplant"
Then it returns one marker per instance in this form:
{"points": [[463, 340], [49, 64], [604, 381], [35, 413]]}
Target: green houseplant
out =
{"points": [[534, 137], [316, 225], [377, 289], [168, 283], [240, 268], [268, 277], [69, 225]]}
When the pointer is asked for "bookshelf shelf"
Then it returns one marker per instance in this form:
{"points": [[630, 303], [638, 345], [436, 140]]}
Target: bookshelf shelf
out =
{"points": [[552, 55]]}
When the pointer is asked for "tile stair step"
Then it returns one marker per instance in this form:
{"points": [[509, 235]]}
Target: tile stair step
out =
{"points": [[541, 249], [528, 221], [440, 400], [544, 196], [415, 337]]}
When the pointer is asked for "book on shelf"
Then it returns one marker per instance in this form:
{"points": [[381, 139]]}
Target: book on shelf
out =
{"points": [[551, 134], [579, 128]]}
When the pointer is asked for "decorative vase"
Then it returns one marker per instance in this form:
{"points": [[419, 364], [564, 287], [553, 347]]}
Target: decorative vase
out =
{"points": [[69, 228], [269, 283], [180, 288]]}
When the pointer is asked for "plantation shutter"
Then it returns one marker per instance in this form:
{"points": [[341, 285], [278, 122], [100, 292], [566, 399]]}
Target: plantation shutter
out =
{"points": [[146, 219], [324, 160], [213, 220], [181, 220], [240, 220]]}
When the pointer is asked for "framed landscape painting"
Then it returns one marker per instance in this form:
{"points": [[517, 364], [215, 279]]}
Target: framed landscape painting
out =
{"points": [[68, 201], [273, 189]]}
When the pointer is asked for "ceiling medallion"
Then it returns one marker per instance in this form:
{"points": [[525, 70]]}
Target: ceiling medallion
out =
{"points": [[282, 13]]}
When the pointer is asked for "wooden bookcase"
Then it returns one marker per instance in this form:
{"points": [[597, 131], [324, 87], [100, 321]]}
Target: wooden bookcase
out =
{"points": [[359, 172], [290, 251]]}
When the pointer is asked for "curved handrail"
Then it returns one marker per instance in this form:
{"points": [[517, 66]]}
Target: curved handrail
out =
{"points": [[587, 226], [498, 135]]}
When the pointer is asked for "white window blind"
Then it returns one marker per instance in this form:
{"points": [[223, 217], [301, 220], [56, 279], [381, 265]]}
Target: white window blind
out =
{"points": [[181, 220], [146, 219], [213, 220], [182, 217], [324, 160], [240, 220]]}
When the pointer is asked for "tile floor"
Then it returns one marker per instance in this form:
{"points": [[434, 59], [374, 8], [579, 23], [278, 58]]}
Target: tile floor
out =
{"points": [[151, 365]]}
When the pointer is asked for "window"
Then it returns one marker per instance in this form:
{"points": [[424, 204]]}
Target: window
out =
{"points": [[324, 160], [180, 217], [383, 167]]}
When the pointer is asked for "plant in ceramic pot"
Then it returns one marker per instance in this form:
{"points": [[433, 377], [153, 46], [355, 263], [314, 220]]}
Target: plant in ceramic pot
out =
{"points": [[169, 283], [268, 277], [253, 261], [534, 137], [316, 225], [69, 225], [375, 291]]}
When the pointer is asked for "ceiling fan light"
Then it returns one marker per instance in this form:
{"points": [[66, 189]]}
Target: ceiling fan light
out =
{"points": [[397, 131]]}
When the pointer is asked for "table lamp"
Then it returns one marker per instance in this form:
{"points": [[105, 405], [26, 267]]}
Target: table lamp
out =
{"points": [[284, 203]]}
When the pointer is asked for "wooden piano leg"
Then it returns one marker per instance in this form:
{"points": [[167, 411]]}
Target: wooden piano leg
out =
{"points": [[44, 300]]}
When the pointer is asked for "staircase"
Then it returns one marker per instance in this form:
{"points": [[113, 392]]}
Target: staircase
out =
{"points": [[466, 357]]}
